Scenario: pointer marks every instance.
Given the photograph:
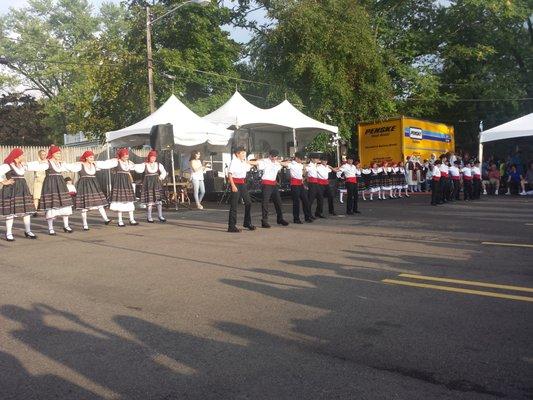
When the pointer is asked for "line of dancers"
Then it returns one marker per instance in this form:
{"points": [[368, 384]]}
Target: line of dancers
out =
{"points": [[16, 200], [387, 179]]}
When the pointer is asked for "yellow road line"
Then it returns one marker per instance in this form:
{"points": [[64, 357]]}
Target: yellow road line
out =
{"points": [[508, 244], [470, 283], [458, 290]]}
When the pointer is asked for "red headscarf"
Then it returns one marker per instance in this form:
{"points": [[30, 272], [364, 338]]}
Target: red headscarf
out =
{"points": [[52, 150], [383, 163], [122, 152], [151, 153], [15, 153], [85, 155]]}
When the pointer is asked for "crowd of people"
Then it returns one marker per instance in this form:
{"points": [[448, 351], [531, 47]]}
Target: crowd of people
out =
{"points": [[445, 176]]}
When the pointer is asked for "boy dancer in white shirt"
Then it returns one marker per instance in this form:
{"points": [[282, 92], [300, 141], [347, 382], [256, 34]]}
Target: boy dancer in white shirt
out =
{"points": [[351, 174], [270, 167], [298, 191], [237, 179]]}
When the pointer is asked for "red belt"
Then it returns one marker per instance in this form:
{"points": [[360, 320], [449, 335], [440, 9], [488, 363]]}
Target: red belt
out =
{"points": [[239, 181], [269, 183], [310, 179], [443, 174], [478, 177], [456, 178], [467, 178], [352, 179], [296, 182], [323, 182], [436, 178]]}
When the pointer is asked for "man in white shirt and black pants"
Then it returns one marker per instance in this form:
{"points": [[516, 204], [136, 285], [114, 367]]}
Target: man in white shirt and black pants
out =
{"points": [[315, 190], [270, 167], [298, 191], [350, 172], [237, 179]]}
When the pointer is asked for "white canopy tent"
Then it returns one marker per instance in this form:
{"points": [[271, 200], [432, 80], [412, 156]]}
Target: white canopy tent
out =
{"points": [[520, 127], [189, 129], [272, 127]]}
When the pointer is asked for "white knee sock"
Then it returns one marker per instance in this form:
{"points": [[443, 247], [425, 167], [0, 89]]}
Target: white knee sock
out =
{"points": [[148, 213], [119, 216], [50, 224], [65, 221], [84, 219], [160, 210], [132, 217], [103, 213], [9, 226], [27, 223]]}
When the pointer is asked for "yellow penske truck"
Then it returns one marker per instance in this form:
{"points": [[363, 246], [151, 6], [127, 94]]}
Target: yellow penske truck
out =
{"points": [[397, 138]]}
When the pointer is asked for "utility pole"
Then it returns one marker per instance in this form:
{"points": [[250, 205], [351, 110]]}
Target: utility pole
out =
{"points": [[149, 60]]}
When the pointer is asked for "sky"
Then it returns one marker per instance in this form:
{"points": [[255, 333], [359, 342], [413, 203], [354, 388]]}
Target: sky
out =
{"points": [[239, 35]]}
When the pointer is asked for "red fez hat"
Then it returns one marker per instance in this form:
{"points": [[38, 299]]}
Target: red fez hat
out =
{"points": [[15, 153], [122, 152], [151, 153], [85, 155], [52, 150]]}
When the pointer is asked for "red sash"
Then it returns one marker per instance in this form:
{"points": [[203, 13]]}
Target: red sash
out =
{"points": [[296, 182], [310, 179], [239, 181], [477, 177], [436, 178], [269, 183], [467, 178], [352, 179], [456, 178], [323, 182]]}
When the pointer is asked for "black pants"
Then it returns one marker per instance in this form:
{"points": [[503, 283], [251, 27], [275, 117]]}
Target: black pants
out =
{"points": [[476, 183], [316, 192], [456, 189], [328, 192], [299, 194], [352, 195], [443, 185], [271, 192], [242, 192], [435, 192], [467, 189]]}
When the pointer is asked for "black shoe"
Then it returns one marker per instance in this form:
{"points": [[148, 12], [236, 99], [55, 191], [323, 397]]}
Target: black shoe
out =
{"points": [[320, 216], [35, 214], [10, 238], [30, 235], [265, 225], [309, 220], [297, 221], [162, 220], [67, 229], [333, 213], [312, 218], [250, 227], [283, 222], [349, 213], [233, 229], [150, 221], [357, 212], [133, 223], [108, 221]]}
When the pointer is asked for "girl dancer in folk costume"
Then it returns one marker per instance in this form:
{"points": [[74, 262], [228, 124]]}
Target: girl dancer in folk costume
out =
{"points": [[89, 196], [122, 194], [375, 181], [15, 197], [411, 174], [152, 190], [395, 180], [364, 182], [386, 180], [55, 197], [402, 180]]}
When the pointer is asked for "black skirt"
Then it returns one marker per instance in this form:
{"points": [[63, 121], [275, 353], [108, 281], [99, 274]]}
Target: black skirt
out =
{"points": [[16, 199], [152, 191], [122, 191], [55, 193], [88, 194]]}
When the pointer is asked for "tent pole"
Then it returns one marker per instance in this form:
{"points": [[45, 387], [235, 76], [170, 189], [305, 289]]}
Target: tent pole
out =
{"points": [[174, 177], [108, 172], [480, 149], [295, 145]]}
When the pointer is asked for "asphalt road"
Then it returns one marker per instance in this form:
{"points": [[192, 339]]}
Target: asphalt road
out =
{"points": [[344, 308]]}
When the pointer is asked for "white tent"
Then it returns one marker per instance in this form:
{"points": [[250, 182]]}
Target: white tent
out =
{"points": [[272, 127], [189, 128], [520, 127]]}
